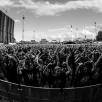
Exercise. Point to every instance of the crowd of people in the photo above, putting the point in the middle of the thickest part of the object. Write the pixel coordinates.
(53, 66)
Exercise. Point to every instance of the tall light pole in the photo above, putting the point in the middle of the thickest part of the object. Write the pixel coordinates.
(95, 24)
(23, 18)
(72, 32)
(77, 32)
(85, 31)
(33, 34)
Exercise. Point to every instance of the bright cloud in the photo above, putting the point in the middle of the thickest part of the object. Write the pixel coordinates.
(60, 35)
(47, 8)
(17, 21)
(6, 3)
(57, 29)
(66, 34)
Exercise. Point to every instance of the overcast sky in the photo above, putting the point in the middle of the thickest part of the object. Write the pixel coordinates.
(51, 19)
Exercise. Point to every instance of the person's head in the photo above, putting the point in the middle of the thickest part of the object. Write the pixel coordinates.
(40, 61)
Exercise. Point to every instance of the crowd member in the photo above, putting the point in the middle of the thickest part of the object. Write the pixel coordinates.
(51, 66)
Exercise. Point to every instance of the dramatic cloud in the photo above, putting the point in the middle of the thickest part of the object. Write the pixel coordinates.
(48, 8)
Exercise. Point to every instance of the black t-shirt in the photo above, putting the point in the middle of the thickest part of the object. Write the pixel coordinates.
(30, 76)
